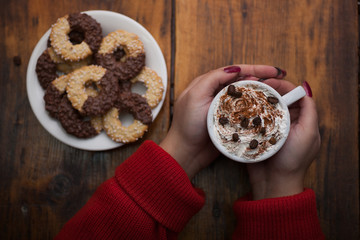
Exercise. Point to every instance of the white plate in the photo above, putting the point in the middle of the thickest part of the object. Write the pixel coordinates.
(110, 21)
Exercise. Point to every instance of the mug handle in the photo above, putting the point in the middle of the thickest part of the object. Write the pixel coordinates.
(294, 95)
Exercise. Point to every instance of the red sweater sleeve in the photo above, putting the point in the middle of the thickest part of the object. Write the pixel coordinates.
(150, 197)
(293, 217)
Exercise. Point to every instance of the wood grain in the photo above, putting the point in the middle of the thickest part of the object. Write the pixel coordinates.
(44, 182)
(314, 41)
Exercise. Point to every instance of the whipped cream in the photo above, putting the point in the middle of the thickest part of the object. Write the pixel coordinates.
(249, 122)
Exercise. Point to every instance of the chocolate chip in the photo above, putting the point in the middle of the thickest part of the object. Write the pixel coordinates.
(244, 122)
(272, 141)
(235, 137)
(253, 144)
(262, 130)
(273, 100)
(17, 60)
(232, 92)
(223, 120)
(257, 121)
(231, 89)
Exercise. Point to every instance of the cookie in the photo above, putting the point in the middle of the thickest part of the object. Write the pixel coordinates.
(137, 106)
(123, 53)
(53, 95)
(99, 77)
(45, 69)
(87, 39)
(76, 124)
(154, 86)
(67, 66)
(59, 107)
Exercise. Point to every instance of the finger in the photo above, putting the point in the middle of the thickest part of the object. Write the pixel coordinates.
(248, 72)
(308, 117)
(209, 83)
(212, 82)
(262, 71)
(282, 87)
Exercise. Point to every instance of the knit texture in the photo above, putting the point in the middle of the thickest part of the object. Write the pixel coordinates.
(150, 197)
(293, 217)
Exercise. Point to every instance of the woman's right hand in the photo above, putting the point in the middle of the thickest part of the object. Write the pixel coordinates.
(283, 174)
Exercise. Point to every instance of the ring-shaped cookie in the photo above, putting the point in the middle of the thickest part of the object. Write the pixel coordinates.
(135, 105)
(126, 65)
(80, 22)
(67, 66)
(45, 69)
(59, 107)
(106, 83)
(53, 95)
(76, 124)
(49, 64)
(154, 86)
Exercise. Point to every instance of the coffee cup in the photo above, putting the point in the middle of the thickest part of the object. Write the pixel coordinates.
(249, 121)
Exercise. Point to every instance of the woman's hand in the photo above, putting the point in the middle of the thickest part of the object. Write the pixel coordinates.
(283, 174)
(188, 140)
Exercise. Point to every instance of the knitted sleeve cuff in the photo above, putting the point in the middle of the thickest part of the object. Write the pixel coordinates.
(157, 183)
(292, 217)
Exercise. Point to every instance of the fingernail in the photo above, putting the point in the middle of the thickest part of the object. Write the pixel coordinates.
(280, 71)
(232, 69)
(307, 88)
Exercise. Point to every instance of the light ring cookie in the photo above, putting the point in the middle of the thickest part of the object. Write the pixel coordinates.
(154, 86)
(135, 105)
(87, 104)
(82, 23)
(123, 53)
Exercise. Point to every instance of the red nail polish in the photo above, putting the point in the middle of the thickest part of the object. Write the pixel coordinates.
(232, 69)
(280, 72)
(307, 88)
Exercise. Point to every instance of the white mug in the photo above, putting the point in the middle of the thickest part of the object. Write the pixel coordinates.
(284, 102)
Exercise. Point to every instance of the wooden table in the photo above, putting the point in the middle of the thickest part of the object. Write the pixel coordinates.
(43, 182)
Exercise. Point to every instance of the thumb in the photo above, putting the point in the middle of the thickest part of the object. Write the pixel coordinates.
(210, 83)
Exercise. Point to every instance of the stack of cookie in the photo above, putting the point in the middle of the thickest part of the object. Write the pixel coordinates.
(87, 79)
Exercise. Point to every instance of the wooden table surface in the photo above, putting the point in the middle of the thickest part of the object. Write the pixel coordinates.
(44, 182)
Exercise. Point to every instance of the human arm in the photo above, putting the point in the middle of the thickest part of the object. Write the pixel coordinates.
(150, 197)
(279, 206)
(283, 174)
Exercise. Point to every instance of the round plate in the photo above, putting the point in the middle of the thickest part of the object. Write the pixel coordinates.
(110, 21)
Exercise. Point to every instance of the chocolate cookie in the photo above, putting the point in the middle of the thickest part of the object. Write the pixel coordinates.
(123, 53)
(49, 64)
(135, 105)
(76, 36)
(106, 84)
(53, 95)
(154, 86)
(75, 124)
(45, 69)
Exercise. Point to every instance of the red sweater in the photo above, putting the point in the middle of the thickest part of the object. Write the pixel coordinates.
(151, 197)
